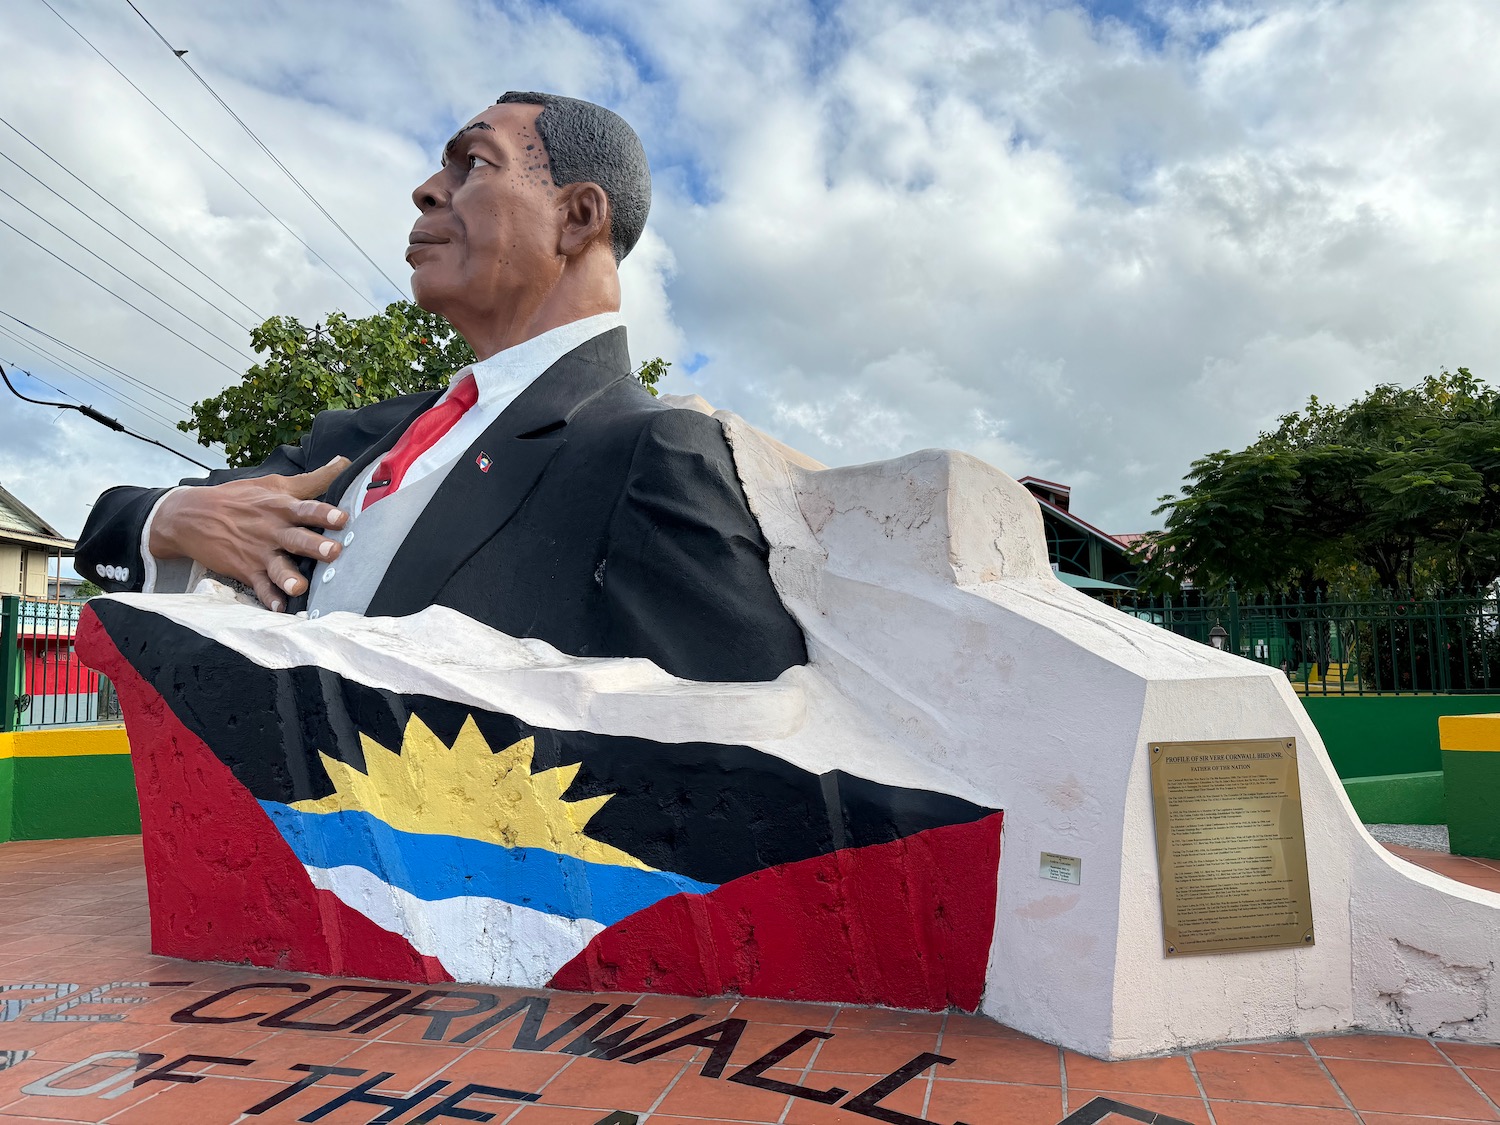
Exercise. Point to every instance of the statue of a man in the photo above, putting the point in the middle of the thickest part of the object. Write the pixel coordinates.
(545, 492)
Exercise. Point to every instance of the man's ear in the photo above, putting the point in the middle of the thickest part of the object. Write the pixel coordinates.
(585, 218)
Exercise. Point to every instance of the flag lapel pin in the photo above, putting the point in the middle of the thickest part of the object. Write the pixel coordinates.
(484, 462)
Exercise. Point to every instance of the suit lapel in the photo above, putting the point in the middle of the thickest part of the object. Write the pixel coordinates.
(474, 502)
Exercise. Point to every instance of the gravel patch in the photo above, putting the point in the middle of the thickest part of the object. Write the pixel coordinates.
(1428, 837)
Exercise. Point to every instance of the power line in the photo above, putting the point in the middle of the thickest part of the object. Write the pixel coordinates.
(73, 369)
(130, 219)
(172, 121)
(134, 250)
(31, 375)
(127, 277)
(180, 56)
(119, 298)
(93, 415)
(78, 372)
(147, 387)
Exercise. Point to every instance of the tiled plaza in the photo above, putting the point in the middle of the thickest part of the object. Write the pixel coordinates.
(94, 1028)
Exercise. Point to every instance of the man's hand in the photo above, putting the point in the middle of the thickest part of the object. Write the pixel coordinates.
(250, 529)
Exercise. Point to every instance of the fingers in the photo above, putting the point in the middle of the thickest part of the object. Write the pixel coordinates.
(315, 513)
(312, 485)
(284, 575)
(267, 594)
(308, 544)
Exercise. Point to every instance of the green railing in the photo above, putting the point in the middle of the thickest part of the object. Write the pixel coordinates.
(1385, 645)
(42, 682)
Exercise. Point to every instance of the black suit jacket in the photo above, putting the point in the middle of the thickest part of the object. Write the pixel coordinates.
(606, 524)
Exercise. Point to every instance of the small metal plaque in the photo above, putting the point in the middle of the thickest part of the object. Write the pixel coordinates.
(1062, 868)
(1229, 845)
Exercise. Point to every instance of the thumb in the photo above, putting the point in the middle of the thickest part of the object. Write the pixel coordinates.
(309, 486)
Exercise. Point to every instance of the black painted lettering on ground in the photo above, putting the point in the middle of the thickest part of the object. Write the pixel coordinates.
(754, 1073)
(867, 1101)
(1100, 1108)
(314, 1075)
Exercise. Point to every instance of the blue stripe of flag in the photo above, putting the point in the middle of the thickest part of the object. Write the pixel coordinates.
(432, 867)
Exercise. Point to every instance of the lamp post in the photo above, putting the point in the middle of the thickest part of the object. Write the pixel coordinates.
(1218, 636)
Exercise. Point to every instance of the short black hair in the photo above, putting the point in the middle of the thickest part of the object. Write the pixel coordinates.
(587, 143)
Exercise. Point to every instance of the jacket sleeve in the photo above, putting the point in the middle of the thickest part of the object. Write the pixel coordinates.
(109, 551)
(686, 572)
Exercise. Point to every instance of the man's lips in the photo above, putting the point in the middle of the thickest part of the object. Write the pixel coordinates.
(420, 240)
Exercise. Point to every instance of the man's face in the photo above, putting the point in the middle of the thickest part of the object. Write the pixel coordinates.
(487, 239)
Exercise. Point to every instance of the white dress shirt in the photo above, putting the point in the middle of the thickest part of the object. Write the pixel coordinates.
(500, 379)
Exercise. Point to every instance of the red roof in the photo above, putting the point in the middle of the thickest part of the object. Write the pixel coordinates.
(1048, 483)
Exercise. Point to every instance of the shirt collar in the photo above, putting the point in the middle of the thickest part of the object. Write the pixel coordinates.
(510, 371)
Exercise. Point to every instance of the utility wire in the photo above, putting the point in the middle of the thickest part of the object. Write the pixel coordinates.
(134, 250)
(114, 392)
(172, 121)
(73, 369)
(94, 415)
(130, 219)
(260, 144)
(196, 323)
(77, 372)
(50, 386)
(147, 387)
(119, 298)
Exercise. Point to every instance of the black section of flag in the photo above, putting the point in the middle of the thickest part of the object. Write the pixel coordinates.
(709, 811)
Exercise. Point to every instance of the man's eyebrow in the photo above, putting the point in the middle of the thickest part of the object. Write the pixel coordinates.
(453, 140)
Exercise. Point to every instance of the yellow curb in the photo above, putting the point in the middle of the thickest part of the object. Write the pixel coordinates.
(1469, 732)
(64, 742)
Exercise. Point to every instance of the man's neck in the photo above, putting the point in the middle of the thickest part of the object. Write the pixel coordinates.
(584, 294)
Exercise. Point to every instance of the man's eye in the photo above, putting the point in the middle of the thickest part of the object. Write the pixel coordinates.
(478, 162)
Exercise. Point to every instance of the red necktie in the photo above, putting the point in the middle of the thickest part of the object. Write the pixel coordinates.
(420, 436)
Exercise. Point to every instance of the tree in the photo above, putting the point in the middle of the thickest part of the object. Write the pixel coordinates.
(1400, 489)
(341, 363)
(651, 372)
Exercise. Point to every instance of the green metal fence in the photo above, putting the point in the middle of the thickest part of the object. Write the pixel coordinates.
(42, 682)
(1385, 645)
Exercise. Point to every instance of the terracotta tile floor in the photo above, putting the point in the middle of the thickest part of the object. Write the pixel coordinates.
(1476, 872)
(94, 1028)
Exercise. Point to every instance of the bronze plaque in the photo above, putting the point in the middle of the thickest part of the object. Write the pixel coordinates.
(1229, 845)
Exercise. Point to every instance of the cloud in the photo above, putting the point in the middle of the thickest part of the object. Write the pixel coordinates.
(1086, 241)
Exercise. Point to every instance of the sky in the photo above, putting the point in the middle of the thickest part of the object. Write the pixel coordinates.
(1085, 241)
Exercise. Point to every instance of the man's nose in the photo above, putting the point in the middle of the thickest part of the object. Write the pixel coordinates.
(430, 194)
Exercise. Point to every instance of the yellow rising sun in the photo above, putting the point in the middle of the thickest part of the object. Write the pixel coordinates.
(468, 790)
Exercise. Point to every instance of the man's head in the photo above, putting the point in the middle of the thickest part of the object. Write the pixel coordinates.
(538, 199)
(587, 143)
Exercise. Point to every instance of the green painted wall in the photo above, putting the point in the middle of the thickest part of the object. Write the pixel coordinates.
(7, 772)
(1398, 798)
(86, 795)
(1473, 781)
(1377, 735)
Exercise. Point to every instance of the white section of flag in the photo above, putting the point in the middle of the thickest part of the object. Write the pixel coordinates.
(477, 940)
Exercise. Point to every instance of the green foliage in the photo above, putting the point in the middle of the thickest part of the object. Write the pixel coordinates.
(651, 372)
(337, 365)
(87, 589)
(1399, 489)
